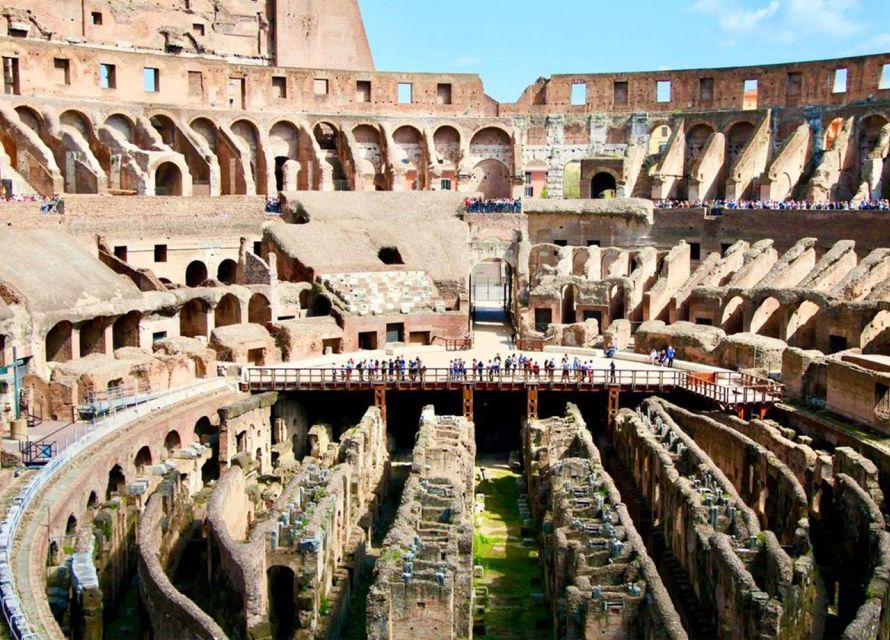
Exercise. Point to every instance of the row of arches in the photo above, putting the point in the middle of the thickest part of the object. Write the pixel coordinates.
(67, 341)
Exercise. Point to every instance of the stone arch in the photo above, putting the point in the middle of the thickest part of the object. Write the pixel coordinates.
(832, 130)
(571, 180)
(766, 319)
(92, 336)
(284, 146)
(121, 123)
(659, 137)
(259, 311)
(446, 141)
(801, 329)
(143, 459)
(321, 306)
(870, 130)
(567, 304)
(875, 337)
(696, 139)
(117, 482)
(492, 179)
(71, 526)
(738, 135)
(77, 120)
(227, 311)
(58, 343)
(369, 158)
(492, 143)
(125, 330)
(168, 179)
(193, 318)
(226, 271)
(327, 135)
(92, 500)
(30, 117)
(732, 318)
(172, 442)
(165, 127)
(409, 156)
(195, 273)
(603, 185)
(207, 130)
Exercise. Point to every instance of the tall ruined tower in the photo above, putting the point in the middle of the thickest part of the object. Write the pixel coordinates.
(326, 34)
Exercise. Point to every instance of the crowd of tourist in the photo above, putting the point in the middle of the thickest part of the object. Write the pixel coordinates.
(498, 205)
(662, 357)
(47, 205)
(777, 205)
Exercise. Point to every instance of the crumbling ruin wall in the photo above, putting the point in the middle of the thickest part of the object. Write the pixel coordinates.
(423, 580)
(742, 578)
(244, 432)
(599, 578)
(172, 614)
(762, 480)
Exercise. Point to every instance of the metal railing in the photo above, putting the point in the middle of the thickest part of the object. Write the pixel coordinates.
(15, 615)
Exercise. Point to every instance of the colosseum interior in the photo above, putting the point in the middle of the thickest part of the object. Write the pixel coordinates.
(328, 352)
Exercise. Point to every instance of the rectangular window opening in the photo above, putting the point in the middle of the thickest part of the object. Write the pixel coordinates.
(257, 247)
(443, 94)
(620, 92)
(749, 94)
(363, 91)
(62, 68)
(196, 83)
(160, 253)
(279, 87)
(840, 81)
(151, 79)
(96, 18)
(107, 76)
(320, 86)
(120, 252)
(446, 184)
(884, 82)
(198, 29)
(11, 76)
(593, 243)
(706, 89)
(406, 93)
(694, 251)
(663, 91)
(579, 93)
(158, 336)
(794, 84)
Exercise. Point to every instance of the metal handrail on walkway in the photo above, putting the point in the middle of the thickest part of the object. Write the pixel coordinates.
(10, 600)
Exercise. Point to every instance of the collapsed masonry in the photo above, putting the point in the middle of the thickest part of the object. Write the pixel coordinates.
(598, 576)
(295, 569)
(423, 586)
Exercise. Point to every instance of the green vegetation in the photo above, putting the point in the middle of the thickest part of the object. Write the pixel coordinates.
(511, 571)
(325, 607)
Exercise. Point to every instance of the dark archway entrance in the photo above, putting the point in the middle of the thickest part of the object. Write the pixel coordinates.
(603, 185)
(282, 603)
(195, 273)
(168, 180)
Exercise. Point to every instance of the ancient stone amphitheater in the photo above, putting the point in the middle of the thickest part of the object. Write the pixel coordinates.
(293, 348)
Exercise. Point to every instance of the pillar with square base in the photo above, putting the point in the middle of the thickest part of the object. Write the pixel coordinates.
(468, 402)
(532, 403)
(614, 405)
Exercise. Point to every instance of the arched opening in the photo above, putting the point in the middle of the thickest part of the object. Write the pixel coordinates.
(30, 118)
(172, 443)
(603, 185)
(446, 141)
(77, 120)
(92, 500)
(326, 135)
(226, 271)
(227, 312)
(737, 138)
(258, 457)
(280, 162)
(321, 306)
(801, 331)
(58, 342)
(208, 435)
(195, 273)
(117, 482)
(766, 319)
(732, 318)
(368, 158)
(571, 180)
(659, 138)
(409, 156)
(122, 125)
(259, 311)
(492, 179)
(246, 132)
(870, 130)
(282, 602)
(142, 459)
(125, 331)
(390, 255)
(568, 305)
(284, 146)
(71, 526)
(92, 337)
(832, 131)
(168, 180)
(696, 139)
(193, 319)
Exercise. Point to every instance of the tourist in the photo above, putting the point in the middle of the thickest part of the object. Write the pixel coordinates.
(653, 357)
(612, 370)
(670, 355)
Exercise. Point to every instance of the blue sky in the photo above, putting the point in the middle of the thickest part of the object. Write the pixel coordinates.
(511, 43)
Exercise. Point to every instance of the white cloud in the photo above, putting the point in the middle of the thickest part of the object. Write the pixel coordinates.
(733, 16)
(878, 43)
(823, 17)
(467, 61)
